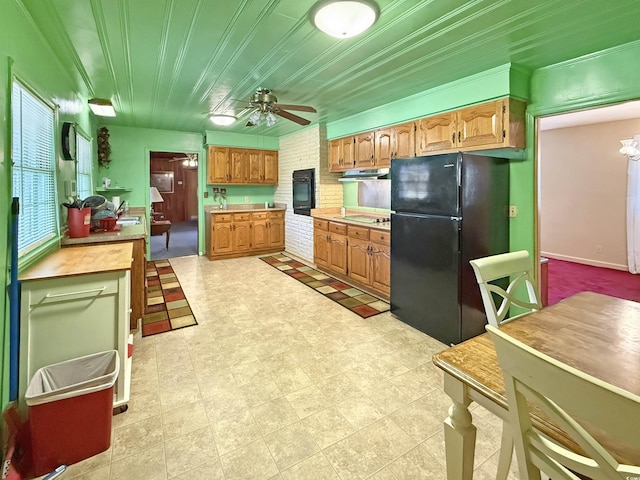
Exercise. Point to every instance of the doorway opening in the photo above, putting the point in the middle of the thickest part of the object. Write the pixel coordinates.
(174, 204)
(582, 201)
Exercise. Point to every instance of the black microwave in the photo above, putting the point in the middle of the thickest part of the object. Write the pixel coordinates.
(304, 188)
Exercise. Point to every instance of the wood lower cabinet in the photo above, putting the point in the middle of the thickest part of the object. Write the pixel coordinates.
(360, 254)
(241, 166)
(231, 235)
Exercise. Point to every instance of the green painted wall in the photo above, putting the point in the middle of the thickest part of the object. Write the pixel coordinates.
(240, 194)
(129, 167)
(23, 54)
(602, 78)
(506, 80)
(229, 139)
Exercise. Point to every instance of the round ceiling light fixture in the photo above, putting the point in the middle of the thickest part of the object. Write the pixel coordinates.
(220, 119)
(344, 18)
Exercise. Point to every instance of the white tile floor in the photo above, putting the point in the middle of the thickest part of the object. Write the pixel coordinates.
(279, 382)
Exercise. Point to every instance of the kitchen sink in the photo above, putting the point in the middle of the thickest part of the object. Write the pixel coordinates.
(129, 221)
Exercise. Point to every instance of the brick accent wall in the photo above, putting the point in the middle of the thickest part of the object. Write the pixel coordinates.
(307, 149)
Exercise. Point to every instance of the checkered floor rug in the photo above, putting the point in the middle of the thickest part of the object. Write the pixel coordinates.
(349, 297)
(167, 308)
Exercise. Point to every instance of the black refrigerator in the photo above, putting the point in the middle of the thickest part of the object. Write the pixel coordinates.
(449, 209)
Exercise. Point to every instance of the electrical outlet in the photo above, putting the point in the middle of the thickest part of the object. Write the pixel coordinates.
(513, 211)
(246, 199)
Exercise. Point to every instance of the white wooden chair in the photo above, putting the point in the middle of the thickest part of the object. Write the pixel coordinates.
(516, 268)
(565, 394)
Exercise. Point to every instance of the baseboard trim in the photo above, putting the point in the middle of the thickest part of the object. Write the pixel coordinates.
(585, 261)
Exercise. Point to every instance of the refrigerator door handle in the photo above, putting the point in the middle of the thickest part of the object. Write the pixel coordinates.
(457, 219)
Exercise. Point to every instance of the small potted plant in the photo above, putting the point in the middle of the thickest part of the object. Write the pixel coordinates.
(104, 150)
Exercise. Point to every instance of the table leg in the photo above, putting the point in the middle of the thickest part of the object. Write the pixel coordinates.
(459, 432)
(168, 233)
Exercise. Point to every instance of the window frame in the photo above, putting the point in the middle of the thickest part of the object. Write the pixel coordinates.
(30, 250)
(82, 136)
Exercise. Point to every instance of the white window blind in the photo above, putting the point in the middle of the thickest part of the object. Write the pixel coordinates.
(83, 178)
(34, 176)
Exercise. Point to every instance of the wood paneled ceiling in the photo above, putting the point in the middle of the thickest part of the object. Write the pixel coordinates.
(165, 63)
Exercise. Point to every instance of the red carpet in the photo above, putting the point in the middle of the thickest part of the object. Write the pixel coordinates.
(568, 278)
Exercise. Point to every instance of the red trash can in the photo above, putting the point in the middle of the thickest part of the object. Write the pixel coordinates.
(70, 410)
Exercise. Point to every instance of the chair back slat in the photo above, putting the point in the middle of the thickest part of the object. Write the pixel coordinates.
(513, 266)
(581, 405)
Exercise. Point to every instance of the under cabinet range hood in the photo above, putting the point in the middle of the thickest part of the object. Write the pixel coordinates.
(355, 175)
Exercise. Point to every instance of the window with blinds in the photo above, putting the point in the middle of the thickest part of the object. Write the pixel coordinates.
(83, 168)
(34, 173)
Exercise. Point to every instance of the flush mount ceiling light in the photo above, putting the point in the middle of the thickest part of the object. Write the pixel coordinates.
(344, 18)
(102, 107)
(222, 119)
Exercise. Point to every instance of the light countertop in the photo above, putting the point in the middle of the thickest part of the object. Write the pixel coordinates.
(334, 215)
(243, 208)
(80, 260)
(124, 234)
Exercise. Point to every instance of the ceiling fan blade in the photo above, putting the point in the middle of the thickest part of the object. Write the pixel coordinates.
(299, 108)
(244, 111)
(250, 124)
(292, 117)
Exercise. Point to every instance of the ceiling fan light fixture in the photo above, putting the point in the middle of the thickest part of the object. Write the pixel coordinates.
(344, 18)
(222, 119)
(255, 117)
(271, 119)
(102, 107)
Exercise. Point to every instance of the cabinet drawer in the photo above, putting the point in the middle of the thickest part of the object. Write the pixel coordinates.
(222, 217)
(379, 236)
(46, 292)
(359, 232)
(259, 216)
(279, 214)
(241, 217)
(340, 228)
(320, 224)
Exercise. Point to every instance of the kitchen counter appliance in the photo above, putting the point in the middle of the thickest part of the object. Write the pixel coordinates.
(449, 209)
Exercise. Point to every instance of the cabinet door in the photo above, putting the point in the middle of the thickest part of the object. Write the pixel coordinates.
(222, 238)
(276, 229)
(405, 140)
(359, 261)
(270, 167)
(381, 267)
(237, 159)
(480, 125)
(335, 155)
(241, 236)
(348, 153)
(321, 247)
(338, 253)
(436, 134)
(255, 166)
(218, 165)
(383, 148)
(365, 150)
(259, 234)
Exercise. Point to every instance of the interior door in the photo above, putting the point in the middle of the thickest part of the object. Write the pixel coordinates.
(191, 193)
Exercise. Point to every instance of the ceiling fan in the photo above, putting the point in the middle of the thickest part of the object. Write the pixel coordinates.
(263, 108)
(188, 159)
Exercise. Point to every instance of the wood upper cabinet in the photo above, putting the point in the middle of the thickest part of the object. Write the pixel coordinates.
(436, 134)
(242, 165)
(218, 166)
(405, 140)
(495, 124)
(397, 141)
(365, 150)
(269, 167)
(342, 154)
(384, 147)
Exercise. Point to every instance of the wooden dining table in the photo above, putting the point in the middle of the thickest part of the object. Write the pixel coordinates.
(595, 333)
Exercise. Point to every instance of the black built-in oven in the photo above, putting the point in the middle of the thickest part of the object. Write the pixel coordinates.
(304, 191)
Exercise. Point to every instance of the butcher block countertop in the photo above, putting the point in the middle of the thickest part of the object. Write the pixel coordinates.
(80, 260)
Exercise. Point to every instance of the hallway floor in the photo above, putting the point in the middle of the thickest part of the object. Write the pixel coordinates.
(278, 382)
